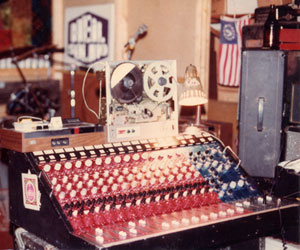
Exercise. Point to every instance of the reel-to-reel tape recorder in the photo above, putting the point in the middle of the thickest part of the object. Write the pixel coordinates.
(142, 101)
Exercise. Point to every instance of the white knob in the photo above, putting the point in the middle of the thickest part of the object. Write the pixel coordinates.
(57, 166)
(78, 164)
(136, 157)
(98, 161)
(117, 159)
(107, 160)
(94, 190)
(122, 235)
(98, 231)
(47, 168)
(126, 158)
(88, 163)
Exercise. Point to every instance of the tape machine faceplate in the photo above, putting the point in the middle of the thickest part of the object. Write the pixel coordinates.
(142, 101)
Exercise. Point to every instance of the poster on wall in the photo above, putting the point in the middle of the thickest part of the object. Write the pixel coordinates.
(89, 34)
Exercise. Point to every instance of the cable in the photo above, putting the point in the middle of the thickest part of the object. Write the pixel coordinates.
(282, 231)
(29, 117)
(100, 96)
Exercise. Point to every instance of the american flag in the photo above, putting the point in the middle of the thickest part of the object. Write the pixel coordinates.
(230, 50)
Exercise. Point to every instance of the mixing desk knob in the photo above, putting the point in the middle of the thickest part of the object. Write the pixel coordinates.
(162, 179)
(260, 200)
(134, 184)
(195, 219)
(175, 170)
(230, 211)
(196, 174)
(136, 157)
(72, 193)
(98, 231)
(94, 190)
(78, 164)
(110, 180)
(88, 163)
(79, 185)
(90, 183)
(117, 159)
(106, 173)
(232, 185)
(58, 188)
(152, 181)
(144, 169)
(204, 217)
(124, 185)
(166, 172)
(188, 176)
(54, 181)
(131, 224)
(157, 173)
(104, 189)
(126, 158)
(65, 179)
(185, 221)
(107, 160)
(100, 182)
(246, 203)
(133, 231)
(170, 178)
(99, 239)
(175, 223)
(145, 156)
(139, 176)
(148, 175)
(152, 167)
(240, 183)
(47, 168)
(130, 177)
(269, 199)
(179, 177)
(96, 175)
(142, 222)
(165, 225)
(240, 210)
(98, 161)
(122, 235)
(69, 186)
(86, 176)
(114, 187)
(68, 165)
(75, 178)
(125, 171)
(144, 183)
(62, 195)
(222, 214)
(215, 163)
(83, 192)
(120, 178)
(213, 215)
(57, 166)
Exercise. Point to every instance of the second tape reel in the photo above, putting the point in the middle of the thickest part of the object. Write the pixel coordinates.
(141, 99)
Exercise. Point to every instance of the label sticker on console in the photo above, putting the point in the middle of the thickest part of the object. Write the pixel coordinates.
(31, 193)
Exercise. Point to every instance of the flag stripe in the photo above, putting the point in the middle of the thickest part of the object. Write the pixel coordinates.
(229, 65)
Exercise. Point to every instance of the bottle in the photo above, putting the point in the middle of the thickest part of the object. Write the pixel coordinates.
(272, 29)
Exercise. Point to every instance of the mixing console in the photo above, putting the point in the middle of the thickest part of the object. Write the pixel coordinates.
(113, 194)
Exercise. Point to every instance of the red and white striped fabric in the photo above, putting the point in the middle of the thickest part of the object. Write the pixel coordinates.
(229, 59)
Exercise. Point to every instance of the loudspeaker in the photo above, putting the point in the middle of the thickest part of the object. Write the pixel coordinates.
(260, 111)
(292, 143)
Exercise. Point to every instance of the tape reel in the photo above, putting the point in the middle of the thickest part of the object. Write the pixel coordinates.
(126, 83)
(159, 83)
